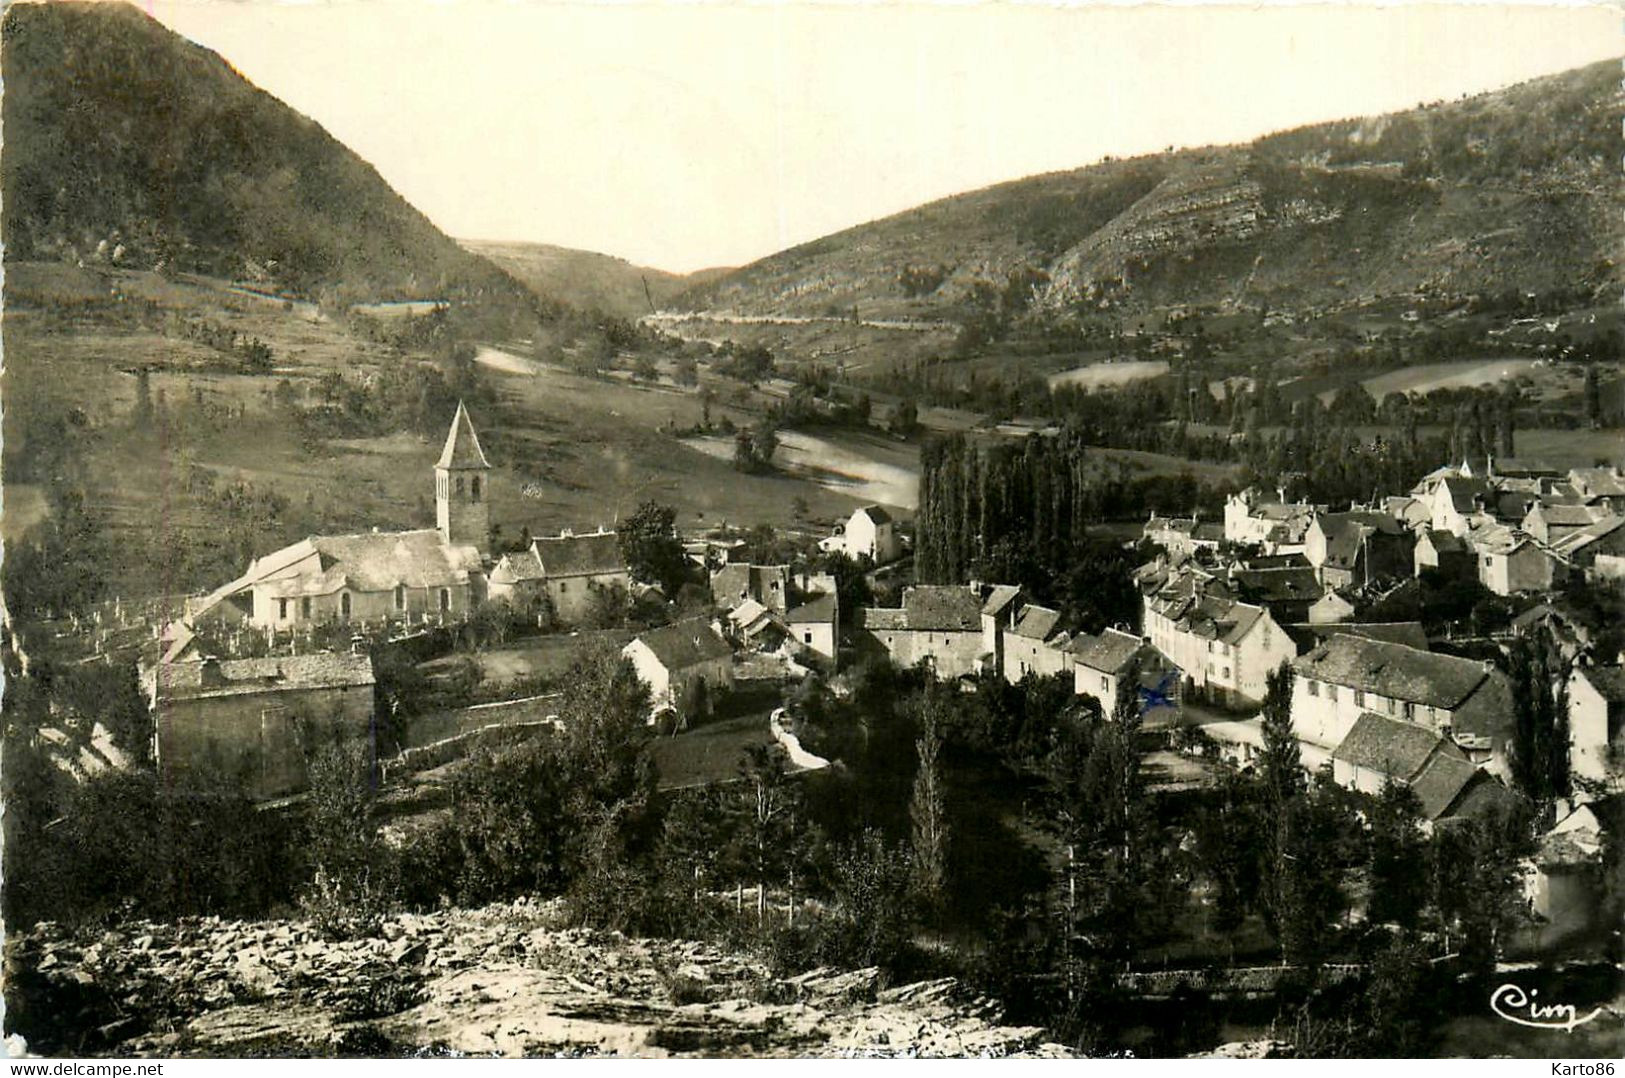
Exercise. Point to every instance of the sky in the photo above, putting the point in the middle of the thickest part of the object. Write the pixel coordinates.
(686, 135)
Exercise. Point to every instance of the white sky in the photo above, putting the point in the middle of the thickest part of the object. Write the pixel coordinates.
(686, 135)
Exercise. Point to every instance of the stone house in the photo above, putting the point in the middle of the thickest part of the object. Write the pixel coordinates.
(568, 571)
(1000, 609)
(767, 584)
(1377, 750)
(1099, 664)
(1547, 523)
(868, 532)
(941, 623)
(815, 625)
(1358, 548)
(1467, 701)
(1596, 721)
(1034, 644)
(674, 660)
(1220, 644)
(1509, 561)
(253, 720)
(1277, 525)
(1445, 551)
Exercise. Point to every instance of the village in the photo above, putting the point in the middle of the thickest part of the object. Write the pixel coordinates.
(235, 682)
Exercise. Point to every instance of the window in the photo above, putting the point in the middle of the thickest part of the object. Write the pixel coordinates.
(475, 488)
(806, 637)
(1314, 688)
(1227, 673)
(564, 586)
(1410, 710)
(344, 605)
(304, 607)
(282, 609)
(1105, 682)
(400, 596)
(1359, 698)
(445, 600)
(1331, 693)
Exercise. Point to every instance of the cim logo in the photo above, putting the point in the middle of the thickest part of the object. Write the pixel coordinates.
(1512, 1003)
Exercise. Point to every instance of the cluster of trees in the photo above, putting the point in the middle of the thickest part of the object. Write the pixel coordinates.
(417, 397)
(1022, 515)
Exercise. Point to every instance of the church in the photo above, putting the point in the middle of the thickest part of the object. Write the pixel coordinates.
(417, 575)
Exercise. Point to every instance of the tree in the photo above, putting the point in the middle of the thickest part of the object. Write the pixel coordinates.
(1540, 719)
(1281, 764)
(905, 419)
(1399, 870)
(649, 543)
(928, 808)
(1593, 396)
(352, 880)
(769, 801)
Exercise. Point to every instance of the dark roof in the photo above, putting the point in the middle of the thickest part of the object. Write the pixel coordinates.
(1000, 597)
(821, 610)
(685, 643)
(1409, 633)
(462, 444)
(1522, 466)
(1444, 542)
(1609, 681)
(1464, 492)
(289, 673)
(942, 607)
(1277, 585)
(1487, 711)
(1598, 482)
(1441, 781)
(580, 555)
(1346, 531)
(890, 618)
(1109, 652)
(1393, 670)
(1036, 622)
(1390, 746)
(876, 514)
(1567, 516)
(753, 580)
(1294, 560)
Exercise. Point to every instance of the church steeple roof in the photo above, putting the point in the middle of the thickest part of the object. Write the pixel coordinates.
(462, 444)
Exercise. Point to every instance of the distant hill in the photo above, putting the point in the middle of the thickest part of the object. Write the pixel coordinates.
(586, 280)
(1518, 189)
(126, 142)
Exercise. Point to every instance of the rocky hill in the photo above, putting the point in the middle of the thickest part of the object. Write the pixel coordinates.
(502, 980)
(1516, 189)
(586, 280)
(128, 144)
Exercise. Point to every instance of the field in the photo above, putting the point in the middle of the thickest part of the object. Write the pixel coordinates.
(1109, 375)
(543, 656)
(709, 753)
(1462, 374)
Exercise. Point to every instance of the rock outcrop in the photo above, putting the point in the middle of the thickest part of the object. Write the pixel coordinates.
(504, 980)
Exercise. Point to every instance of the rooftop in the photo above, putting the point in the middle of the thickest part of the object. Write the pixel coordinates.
(942, 608)
(202, 678)
(1395, 748)
(1393, 670)
(462, 444)
(1109, 652)
(685, 643)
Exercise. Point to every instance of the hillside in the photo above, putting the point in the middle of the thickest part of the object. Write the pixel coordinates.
(585, 279)
(126, 144)
(1516, 189)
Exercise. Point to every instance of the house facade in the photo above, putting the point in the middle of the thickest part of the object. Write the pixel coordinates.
(675, 659)
(1033, 645)
(1596, 722)
(252, 720)
(1509, 561)
(767, 584)
(1220, 644)
(1348, 676)
(568, 571)
(941, 623)
(869, 532)
(1100, 663)
(815, 625)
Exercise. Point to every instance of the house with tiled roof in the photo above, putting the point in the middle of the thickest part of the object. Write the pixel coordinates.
(1219, 643)
(1358, 548)
(1596, 696)
(1445, 552)
(1035, 644)
(1510, 561)
(1595, 485)
(1464, 700)
(941, 623)
(1274, 524)
(1182, 535)
(1001, 605)
(1548, 523)
(1598, 549)
(1378, 750)
(1457, 501)
(1287, 592)
(421, 574)
(674, 660)
(870, 532)
(568, 571)
(815, 624)
(251, 721)
(767, 584)
(1100, 663)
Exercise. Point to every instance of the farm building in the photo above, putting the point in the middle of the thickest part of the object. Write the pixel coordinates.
(568, 571)
(677, 660)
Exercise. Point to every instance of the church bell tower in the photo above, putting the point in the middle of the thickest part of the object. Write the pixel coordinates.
(461, 487)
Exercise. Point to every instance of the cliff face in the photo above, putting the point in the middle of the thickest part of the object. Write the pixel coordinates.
(1515, 189)
(502, 980)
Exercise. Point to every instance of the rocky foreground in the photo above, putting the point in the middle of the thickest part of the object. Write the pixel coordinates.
(499, 981)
